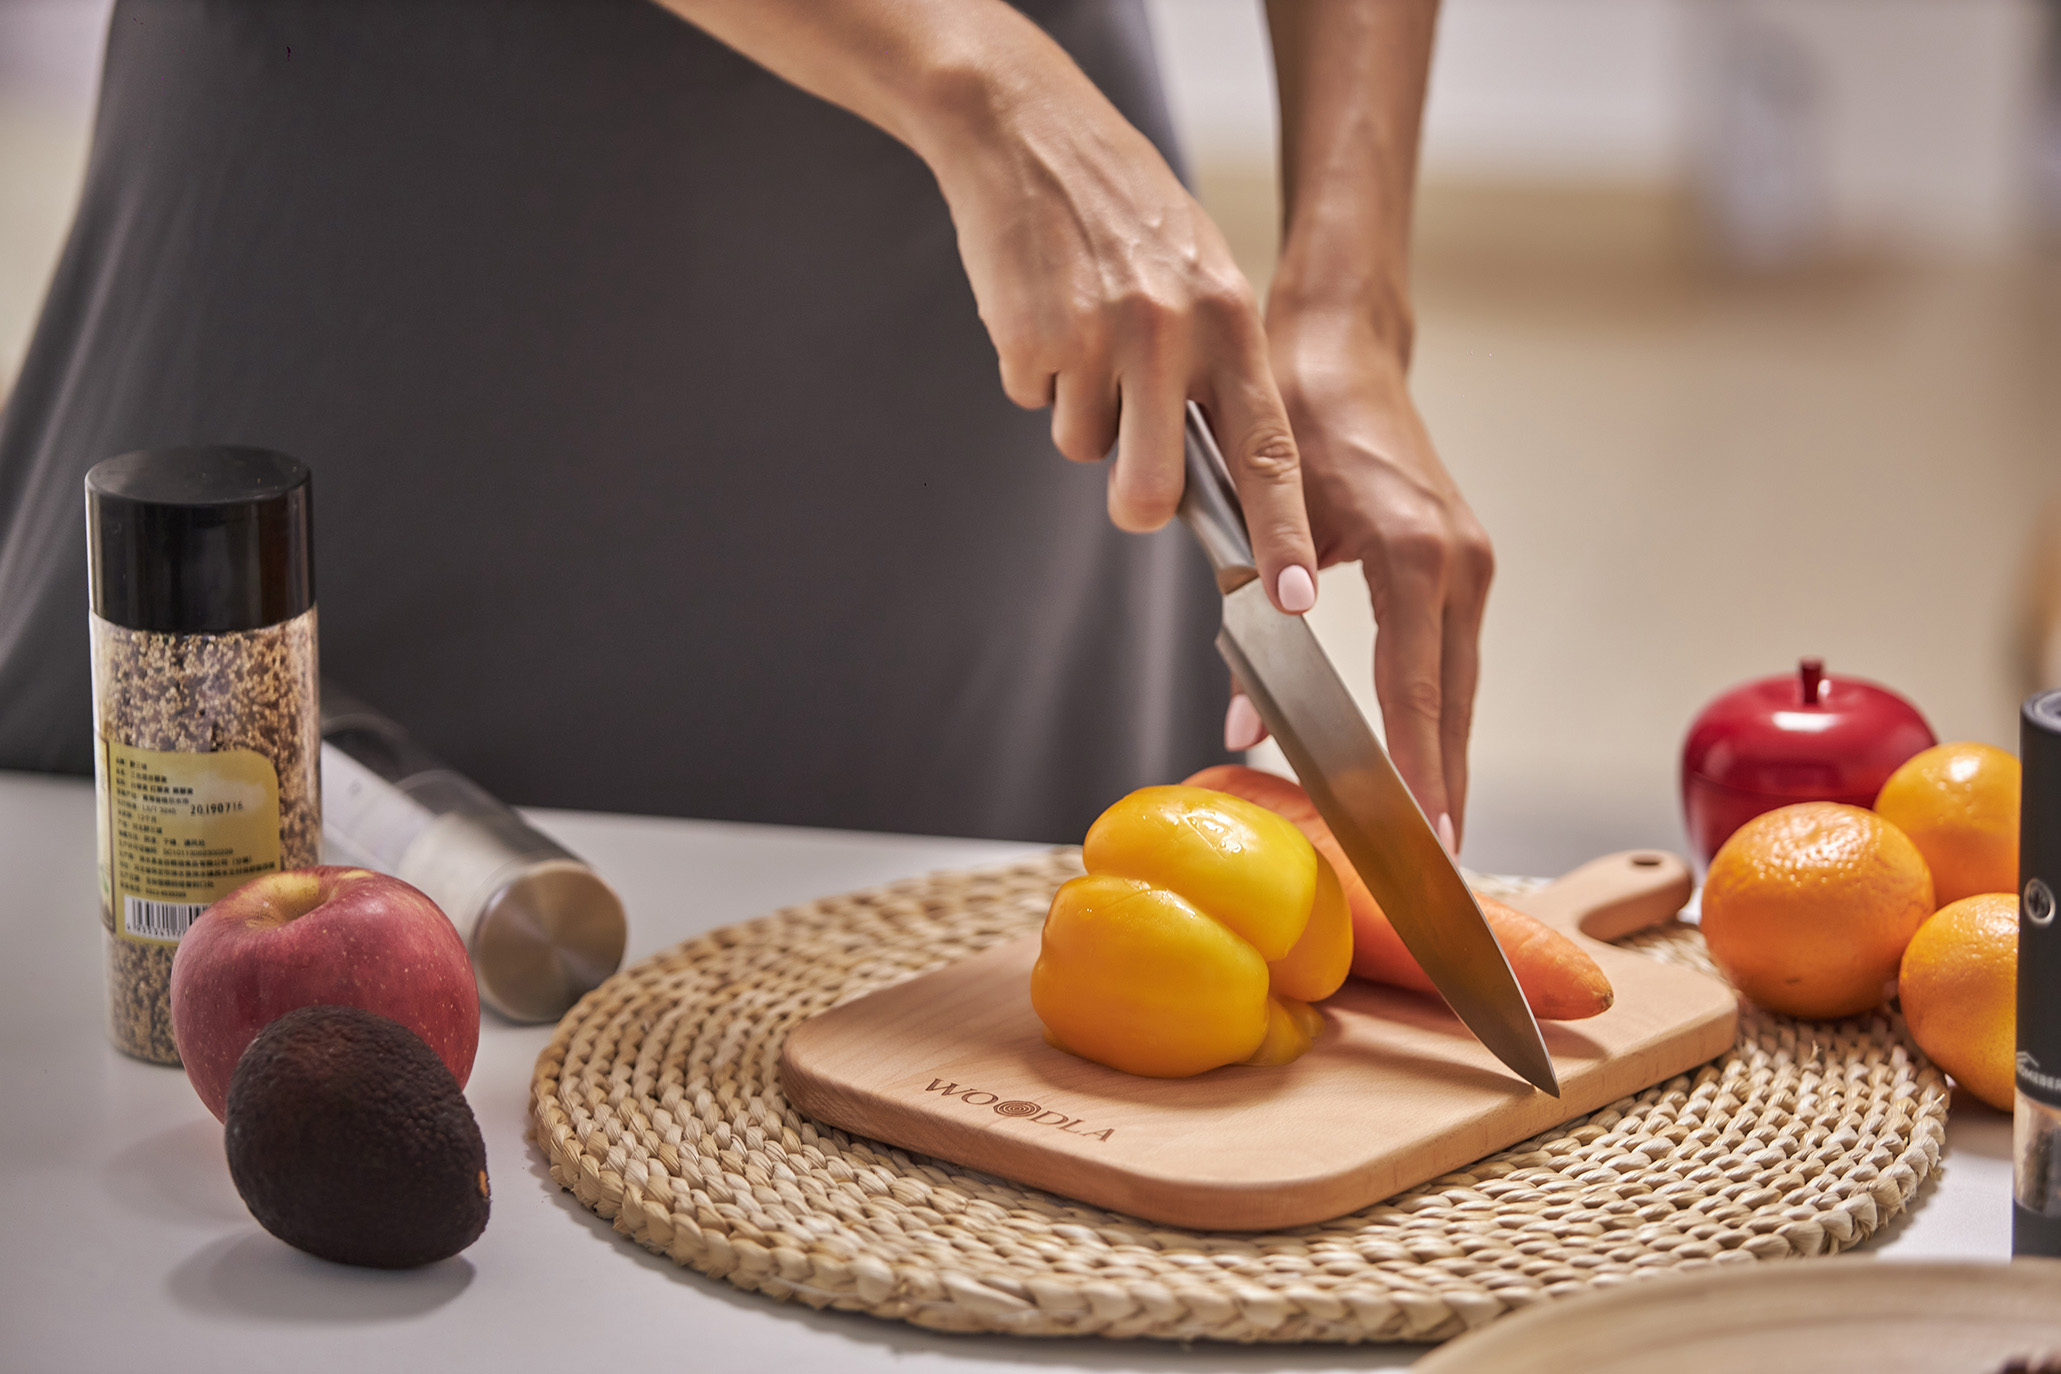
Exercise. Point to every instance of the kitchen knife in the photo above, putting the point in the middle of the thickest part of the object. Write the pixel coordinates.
(1350, 778)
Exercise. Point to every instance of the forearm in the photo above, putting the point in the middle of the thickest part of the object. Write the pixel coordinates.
(940, 75)
(1352, 76)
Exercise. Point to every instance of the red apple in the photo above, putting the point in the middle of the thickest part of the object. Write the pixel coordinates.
(324, 936)
(1802, 736)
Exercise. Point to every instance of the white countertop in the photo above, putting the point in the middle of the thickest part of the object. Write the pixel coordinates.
(123, 1245)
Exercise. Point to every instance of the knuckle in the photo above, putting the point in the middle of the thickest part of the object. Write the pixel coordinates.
(1420, 547)
(1024, 394)
(1270, 454)
(1023, 380)
(1454, 726)
(1137, 519)
(1478, 557)
(1420, 697)
(1077, 446)
(1084, 433)
(1152, 311)
(1091, 334)
(1162, 495)
(1140, 503)
(1014, 344)
(1015, 338)
(1229, 299)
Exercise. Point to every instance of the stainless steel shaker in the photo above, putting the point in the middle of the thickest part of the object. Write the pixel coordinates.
(542, 926)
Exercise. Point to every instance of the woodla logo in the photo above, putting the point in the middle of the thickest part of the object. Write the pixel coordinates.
(1030, 1113)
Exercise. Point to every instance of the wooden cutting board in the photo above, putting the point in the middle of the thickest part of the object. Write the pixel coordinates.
(1395, 1091)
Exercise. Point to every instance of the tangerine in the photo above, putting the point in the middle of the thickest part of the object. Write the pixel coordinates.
(1959, 988)
(1959, 805)
(1808, 908)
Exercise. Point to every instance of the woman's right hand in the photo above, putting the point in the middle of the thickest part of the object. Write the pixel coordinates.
(1107, 291)
(1112, 298)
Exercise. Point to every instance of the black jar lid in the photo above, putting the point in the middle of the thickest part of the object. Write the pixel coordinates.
(2043, 711)
(200, 540)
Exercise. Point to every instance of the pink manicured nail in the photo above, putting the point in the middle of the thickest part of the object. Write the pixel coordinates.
(1242, 725)
(1445, 835)
(1295, 589)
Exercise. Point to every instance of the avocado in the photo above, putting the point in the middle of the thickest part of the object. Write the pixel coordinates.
(349, 1139)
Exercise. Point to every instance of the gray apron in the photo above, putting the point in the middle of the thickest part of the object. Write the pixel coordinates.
(660, 459)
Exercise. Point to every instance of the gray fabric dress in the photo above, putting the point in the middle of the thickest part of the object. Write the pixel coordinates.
(660, 460)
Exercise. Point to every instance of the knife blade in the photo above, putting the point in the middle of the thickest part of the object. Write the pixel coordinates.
(1352, 781)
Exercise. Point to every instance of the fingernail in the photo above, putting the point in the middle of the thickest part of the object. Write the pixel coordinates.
(1445, 835)
(1295, 589)
(1242, 725)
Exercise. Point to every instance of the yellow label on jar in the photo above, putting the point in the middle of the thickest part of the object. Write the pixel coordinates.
(180, 830)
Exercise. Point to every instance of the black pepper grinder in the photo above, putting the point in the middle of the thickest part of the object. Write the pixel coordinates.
(2036, 1175)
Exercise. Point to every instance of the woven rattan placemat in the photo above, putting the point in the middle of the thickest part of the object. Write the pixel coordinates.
(658, 1103)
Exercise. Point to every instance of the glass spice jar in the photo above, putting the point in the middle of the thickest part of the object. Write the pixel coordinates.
(207, 732)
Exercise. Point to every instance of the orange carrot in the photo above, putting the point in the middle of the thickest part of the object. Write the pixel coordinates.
(1560, 980)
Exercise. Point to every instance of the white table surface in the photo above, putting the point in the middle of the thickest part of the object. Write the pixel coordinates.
(123, 1245)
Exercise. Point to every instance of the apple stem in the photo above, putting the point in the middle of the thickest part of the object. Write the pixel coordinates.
(1812, 671)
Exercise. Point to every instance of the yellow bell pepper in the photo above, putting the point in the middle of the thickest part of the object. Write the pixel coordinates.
(1202, 931)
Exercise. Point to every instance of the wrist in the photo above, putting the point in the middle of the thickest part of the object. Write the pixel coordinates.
(965, 102)
(1350, 308)
(952, 105)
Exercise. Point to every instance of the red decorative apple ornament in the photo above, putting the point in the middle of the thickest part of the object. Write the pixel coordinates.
(1794, 738)
(328, 936)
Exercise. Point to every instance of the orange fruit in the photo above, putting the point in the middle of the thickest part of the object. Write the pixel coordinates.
(1808, 908)
(1959, 987)
(1959, 805)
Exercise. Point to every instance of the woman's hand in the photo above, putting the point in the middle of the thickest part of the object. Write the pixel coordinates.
(1108, 293)
(1351, 74)
(1112, 298)
(1379, 496)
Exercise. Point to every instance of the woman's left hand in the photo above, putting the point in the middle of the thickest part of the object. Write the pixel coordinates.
(1379, 495)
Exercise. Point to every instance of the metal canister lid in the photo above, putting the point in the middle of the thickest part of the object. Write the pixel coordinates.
(545, 938)
(200, 540)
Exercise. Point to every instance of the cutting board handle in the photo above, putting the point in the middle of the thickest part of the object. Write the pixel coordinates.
(1610, 897)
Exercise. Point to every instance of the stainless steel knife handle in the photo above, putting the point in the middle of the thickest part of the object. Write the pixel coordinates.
(1210, 509)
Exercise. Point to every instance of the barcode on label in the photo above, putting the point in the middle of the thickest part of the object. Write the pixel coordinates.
(158, 920)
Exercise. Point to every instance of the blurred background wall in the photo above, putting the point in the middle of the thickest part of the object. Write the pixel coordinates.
(1737, 321)
(49, 58)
